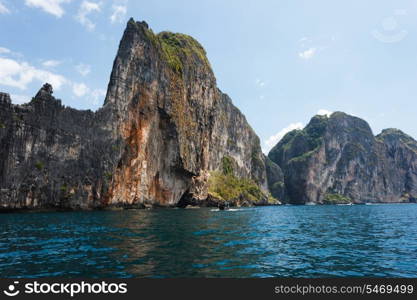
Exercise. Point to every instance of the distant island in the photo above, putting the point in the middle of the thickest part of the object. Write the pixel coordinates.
(166, 136)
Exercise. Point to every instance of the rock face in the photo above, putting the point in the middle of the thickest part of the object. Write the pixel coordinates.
(164, 137)
(337, 159)
(51, 155)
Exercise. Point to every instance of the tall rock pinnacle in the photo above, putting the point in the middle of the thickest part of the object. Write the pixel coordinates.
(165, 136)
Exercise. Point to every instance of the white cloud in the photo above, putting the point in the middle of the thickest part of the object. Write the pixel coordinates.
(80, 89)
(51, 63)
(304, 41)
(20, 99)
(9, 53)
(4, 50)
(324, 112)
(96, 95)
(307, 54)
(4, 9)
(19, 74)
(86, 8)
(273, 140)
(260, 83)
(83, 69)
(119, 12)
(52, 7)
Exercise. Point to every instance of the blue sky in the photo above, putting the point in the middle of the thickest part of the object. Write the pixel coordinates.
(280, 61)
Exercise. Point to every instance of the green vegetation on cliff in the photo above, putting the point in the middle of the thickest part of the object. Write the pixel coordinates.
(39, 165)
(225, 186)
(227, 165)
(299, 145)
(396, 134)
(353, 150)
(336, 199)
(317, 127)
(338, 156)
(229, 187)
(183, 55)
(178, 49)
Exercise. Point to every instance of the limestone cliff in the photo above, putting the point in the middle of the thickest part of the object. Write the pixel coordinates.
(165, 136)
(337, 159)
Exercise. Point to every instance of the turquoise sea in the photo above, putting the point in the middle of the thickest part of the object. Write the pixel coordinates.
(281, 241)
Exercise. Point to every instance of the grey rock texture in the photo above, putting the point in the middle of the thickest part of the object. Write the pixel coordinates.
(337, 159)
(51, 156)
(163, 129)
